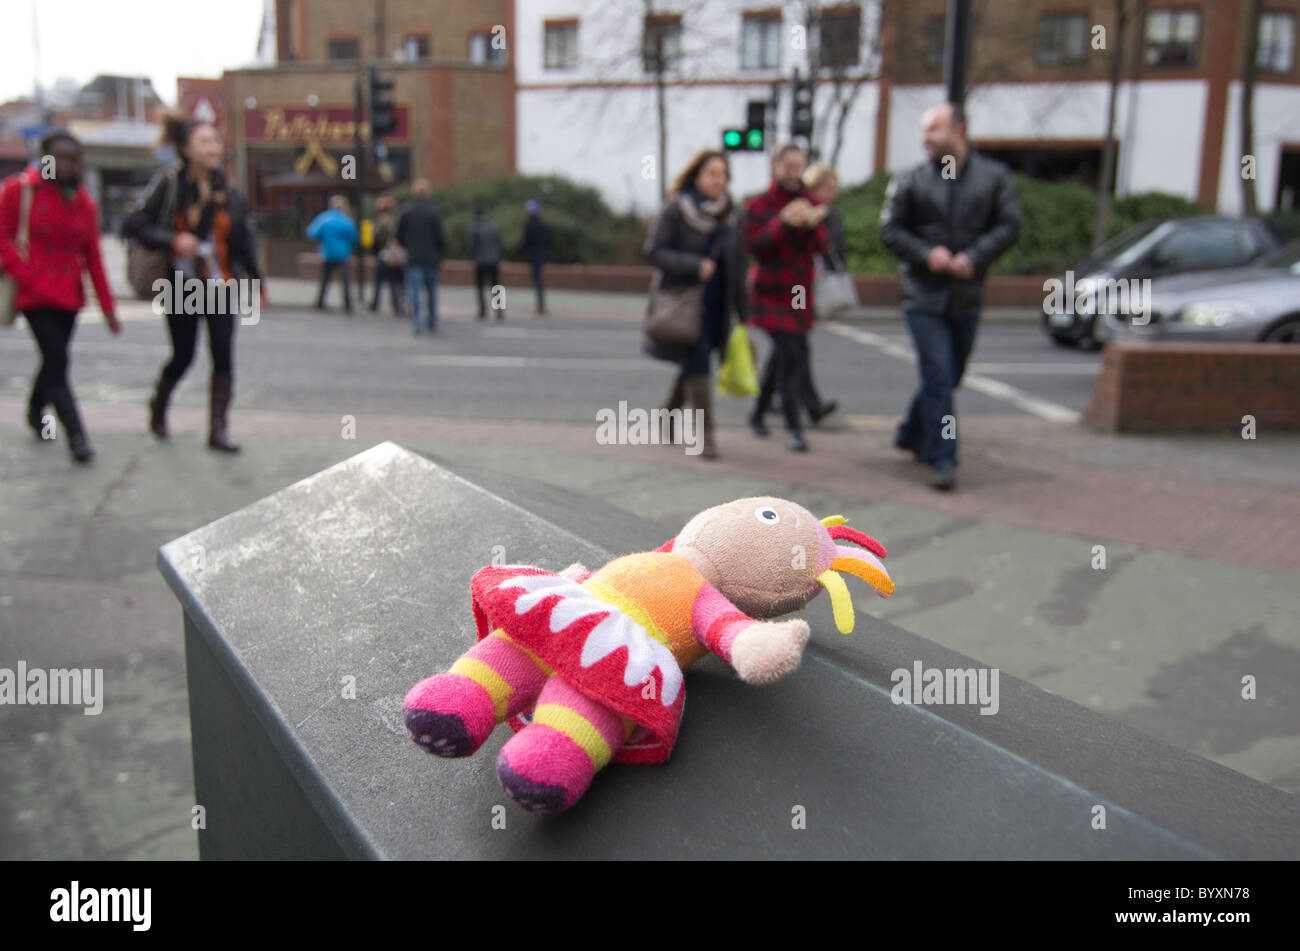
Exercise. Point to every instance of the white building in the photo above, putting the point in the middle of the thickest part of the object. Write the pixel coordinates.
(586, 99)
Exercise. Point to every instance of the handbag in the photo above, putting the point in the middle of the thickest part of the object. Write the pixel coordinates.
(673, 317)
(145, 265)
(833, 291)
(738, 375)
(8, 283)
(392, 255)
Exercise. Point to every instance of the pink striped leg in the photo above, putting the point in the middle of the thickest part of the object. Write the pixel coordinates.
(452, 714)
(548, 765)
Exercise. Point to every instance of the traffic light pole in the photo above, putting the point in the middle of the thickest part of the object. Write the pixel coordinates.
(358, 193)
(956, 54)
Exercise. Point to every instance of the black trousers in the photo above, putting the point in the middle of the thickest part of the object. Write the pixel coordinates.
(53, 331)
(489, 276)
(327, 269)
(394, 277)
(809, 395)
(788, 371)
(184, 330)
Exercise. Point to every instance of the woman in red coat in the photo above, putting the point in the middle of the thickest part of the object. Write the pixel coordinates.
(62, 243)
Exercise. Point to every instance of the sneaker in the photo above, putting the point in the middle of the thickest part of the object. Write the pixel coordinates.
(757, 425)
(944, 477)
(795, 442)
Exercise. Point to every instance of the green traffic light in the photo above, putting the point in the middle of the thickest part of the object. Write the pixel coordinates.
(755, 139)
(731, 139)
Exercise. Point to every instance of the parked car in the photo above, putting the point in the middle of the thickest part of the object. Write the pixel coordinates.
(1260, 302)
(1154, 249)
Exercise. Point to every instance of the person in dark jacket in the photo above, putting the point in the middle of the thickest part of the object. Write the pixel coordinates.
(390, 259)
(419, 232)
(784, 232)
(199, 217)
(697, 240)
(948, 219)
(47, 263)
(535, 248)
(484, 243)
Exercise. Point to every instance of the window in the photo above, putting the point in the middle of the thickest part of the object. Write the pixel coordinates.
(936, 29)
(1172, 37)
(840, 37)
(345, 49)
(1201, 245)
(1276, 42)
(561, 51)
(1062, 39)
(760, 41)
(481, 49)
(662, 42)
(416, 46)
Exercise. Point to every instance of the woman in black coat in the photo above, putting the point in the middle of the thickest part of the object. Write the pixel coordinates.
(697, 240)
(192, 212)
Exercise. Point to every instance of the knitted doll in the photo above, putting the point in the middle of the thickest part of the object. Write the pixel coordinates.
(587, 666)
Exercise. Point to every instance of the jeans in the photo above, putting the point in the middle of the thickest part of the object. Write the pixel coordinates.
(327, 269)
(787, 370)
(53, 331)
(943, 345)
(426, 276)
(537, 263)
(184, 330)
(395, 279)
(488, 275)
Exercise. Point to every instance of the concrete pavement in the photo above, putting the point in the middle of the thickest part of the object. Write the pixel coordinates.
(1200, 538)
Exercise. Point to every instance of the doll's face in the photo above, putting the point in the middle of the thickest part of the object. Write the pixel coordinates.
(764, 554)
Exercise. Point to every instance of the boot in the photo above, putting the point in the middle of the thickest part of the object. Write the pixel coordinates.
(65, 405)
(676, 396)
(158, 405)
(699, 394)
(223, 388)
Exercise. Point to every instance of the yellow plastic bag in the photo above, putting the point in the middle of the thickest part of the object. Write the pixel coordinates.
(738, 375)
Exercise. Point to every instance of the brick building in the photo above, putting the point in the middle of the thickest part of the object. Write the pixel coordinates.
(288, 124)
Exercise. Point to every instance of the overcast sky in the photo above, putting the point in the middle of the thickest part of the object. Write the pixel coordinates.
(161, 39)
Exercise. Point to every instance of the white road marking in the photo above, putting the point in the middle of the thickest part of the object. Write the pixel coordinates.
(1046, 369)
(532, 363)
(1033, 405)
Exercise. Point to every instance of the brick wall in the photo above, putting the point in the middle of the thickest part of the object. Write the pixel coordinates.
(1196, 387)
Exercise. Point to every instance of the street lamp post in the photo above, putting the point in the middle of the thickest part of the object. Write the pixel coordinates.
(956, 53)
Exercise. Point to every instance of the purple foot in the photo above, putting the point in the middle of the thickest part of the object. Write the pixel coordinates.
(542, 800)
(440, 733)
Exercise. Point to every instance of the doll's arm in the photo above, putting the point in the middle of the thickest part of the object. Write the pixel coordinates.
(576, 572)
(762, 652)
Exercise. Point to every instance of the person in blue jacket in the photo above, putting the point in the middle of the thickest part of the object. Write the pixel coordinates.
(337, 235)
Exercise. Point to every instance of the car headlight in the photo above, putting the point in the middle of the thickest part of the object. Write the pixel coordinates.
(1216, 313)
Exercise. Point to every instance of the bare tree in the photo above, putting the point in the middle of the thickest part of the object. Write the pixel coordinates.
(845, 79)
(1106, 180)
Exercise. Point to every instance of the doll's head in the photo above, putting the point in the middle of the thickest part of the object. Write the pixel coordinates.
(769, 556)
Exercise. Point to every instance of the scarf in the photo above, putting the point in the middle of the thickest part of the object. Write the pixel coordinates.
(703, 215)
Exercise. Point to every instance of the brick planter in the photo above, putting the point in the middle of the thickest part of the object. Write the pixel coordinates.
(1196, 387)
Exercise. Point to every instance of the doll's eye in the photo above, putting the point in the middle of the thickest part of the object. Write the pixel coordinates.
(767, 516)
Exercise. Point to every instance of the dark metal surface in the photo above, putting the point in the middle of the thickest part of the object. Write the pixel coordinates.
(362, 571)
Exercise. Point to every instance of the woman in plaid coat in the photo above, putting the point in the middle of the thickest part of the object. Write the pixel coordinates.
(784, 232)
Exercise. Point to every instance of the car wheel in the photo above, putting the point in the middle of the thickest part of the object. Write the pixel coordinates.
(1088, 339)
(1286, 332)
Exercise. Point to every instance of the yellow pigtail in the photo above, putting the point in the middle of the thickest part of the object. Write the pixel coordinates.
(841, 603)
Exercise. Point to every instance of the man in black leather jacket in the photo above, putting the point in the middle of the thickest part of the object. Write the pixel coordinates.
(948, 219)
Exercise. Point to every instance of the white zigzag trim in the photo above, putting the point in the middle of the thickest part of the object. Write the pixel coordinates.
(616, 630)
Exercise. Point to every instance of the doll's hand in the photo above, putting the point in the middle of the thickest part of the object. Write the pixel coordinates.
(767, 651)
(573, 571)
